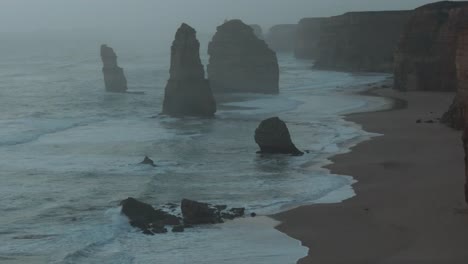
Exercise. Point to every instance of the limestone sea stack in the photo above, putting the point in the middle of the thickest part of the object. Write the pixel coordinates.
(272, 136)
(360, 41)
(114, 77)
(425, 57)
(188, 92)
(241, 62)
(282, 38)
(307, 38)
(456, 115)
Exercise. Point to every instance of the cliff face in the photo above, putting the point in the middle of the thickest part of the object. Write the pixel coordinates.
(241, 62)
(456, 115)
(426, 53)
(307, 38)
(114, 77)
(282, 38)
(360, 41)
(187, 91)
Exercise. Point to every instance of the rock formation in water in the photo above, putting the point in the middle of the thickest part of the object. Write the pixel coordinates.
(307, 38)
(146, 218)
(241, 62)
(114, 77)
(425, 56)
(155, 221)
(187, 92)
(282, 38)
(455, 117)
(148, 161)
(360, 41)
(272, 136)
(258, 31)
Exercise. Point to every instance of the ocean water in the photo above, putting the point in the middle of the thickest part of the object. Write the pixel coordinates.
(69, 153)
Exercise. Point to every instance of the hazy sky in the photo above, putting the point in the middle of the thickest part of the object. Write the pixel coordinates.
(38, 15)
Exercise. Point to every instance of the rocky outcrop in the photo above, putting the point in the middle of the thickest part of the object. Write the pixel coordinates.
(307, 38)
(114, 77)
(272, 136)
(360, 41)
(456, 115)
(146, 218)
(425, 58)
(148, 161)
(282, 38)
(154, 221)
(187, 91)
(241, 62)
(258, 31)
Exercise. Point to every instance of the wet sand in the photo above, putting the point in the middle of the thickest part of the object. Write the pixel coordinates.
(409, 205)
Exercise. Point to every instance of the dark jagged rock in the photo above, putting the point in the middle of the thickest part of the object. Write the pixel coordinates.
(360, 41)
(233, 213)
(258, 31)
(308, 37)
(187, 92)
(425, 57)
(114, 77)
(196, 213)
(178, 229)
(241, 62)
(282, 38)
(456, 115)
(272, 135)
(148, 161)
(146, 218)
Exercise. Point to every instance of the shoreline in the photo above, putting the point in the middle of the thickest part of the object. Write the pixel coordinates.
(407, 209)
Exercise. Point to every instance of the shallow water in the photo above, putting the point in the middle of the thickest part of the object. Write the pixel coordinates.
(69, 152)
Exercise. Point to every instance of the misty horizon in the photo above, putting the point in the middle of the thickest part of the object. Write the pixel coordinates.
(166, 16)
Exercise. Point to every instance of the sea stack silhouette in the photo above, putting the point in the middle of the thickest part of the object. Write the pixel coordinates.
(241, 62)
(187, 91)
(114, 77)
(272, 136)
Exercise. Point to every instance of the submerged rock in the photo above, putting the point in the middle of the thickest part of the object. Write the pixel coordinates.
(187, 92)
(114, 77)
(241, 62)
(148, 161)
(146, 218)
(272, 136)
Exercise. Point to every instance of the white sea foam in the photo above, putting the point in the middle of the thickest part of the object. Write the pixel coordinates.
(69, 153)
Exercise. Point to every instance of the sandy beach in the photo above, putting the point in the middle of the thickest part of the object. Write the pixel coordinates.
(409, 205)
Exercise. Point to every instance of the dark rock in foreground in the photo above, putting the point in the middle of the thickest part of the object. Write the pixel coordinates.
(241, 62)
(148, 161)
(272, 136)
(196, 213)
(187, 92)
(152, 221)
(146, 218)
(114, 77)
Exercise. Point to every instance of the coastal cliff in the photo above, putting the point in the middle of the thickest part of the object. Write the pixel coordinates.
(307, 38)
(425, 57)
(282, 38)
(455, 117)
(114, 77)
(241, 62)
(258, 31)
(360, 41)
(187, 92)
